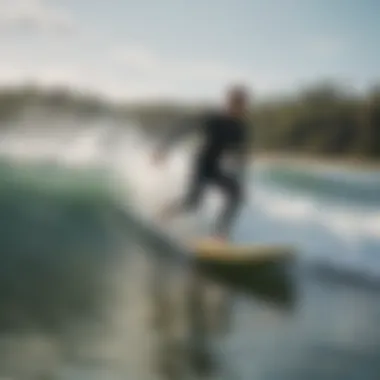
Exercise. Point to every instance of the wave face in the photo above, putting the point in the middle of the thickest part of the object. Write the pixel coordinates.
(57, 229)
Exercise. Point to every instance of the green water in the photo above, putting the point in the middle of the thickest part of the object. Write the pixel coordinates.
(86, 294)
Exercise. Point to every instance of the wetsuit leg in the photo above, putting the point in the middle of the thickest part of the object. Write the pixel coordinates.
(197, 186)
(232, 188)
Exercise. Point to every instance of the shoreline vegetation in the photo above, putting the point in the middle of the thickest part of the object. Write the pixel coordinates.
(303, 161)
(325, 123)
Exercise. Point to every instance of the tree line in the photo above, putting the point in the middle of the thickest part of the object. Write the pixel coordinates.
(323, 119)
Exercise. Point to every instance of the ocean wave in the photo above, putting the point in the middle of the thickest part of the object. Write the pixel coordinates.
(346, 221)
(327, 183)
(340, 237)
(58, 234)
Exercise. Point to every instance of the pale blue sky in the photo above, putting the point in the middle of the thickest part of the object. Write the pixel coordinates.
(189, 49)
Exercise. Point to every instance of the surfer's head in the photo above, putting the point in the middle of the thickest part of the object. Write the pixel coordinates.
(237, 100)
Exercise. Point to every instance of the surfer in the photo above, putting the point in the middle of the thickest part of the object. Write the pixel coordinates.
(221, 161)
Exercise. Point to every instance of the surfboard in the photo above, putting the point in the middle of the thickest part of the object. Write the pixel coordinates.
(258, 270)
(207, 250)
(262, 270)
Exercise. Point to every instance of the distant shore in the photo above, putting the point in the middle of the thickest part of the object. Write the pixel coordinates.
(302, 160)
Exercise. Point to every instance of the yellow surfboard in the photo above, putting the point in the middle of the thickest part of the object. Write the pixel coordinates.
(241, 253)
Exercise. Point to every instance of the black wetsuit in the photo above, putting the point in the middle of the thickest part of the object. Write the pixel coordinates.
(225, 138)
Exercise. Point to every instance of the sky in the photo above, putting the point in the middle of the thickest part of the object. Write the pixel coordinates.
(188, 49)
